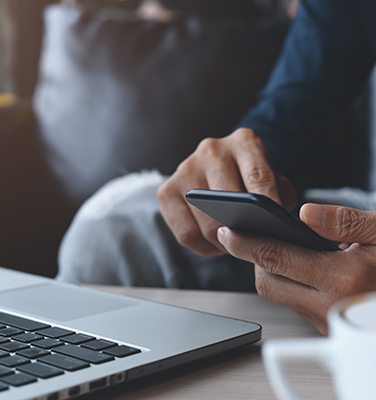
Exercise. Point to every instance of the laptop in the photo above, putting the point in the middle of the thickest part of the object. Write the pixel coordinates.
(59, 341)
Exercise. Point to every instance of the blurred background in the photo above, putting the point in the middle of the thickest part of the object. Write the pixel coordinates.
(94, 89)
(21, 32)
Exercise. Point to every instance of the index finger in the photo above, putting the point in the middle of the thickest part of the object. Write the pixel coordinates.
(309, 267)
(254, 165)
(184, 227)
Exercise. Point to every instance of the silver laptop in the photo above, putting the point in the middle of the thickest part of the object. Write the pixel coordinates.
(59, 341)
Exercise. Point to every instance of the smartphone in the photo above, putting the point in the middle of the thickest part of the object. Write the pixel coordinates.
(257, 215)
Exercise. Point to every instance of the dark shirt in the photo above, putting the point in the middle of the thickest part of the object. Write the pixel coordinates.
(326, 61)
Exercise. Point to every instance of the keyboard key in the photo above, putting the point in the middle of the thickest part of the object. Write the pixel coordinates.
(121, 351)
(18, 379)
(21, 323)
(28, 337)
(13, 361)
(4, 354)
(63, 362)
(8, 332)
(55, 333)
(99, 344)
(77, 338)
(3, 340)
(40, 370)
(48, 343)
(5, 371)
(90, 356)
(33, 353)
(12, 347)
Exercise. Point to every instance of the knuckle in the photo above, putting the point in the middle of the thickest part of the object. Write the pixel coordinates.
(347, 222)
(184, 167)
(245, 136)
(209, 147)
(269, 257)
(245, 133)
(260, 175)
(164, 191)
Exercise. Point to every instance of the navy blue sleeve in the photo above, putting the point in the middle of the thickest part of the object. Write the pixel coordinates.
(325, 62)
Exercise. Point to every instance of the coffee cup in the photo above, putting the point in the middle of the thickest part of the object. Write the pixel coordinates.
(349, 352)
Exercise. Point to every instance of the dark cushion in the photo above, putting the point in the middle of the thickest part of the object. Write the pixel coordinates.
(120, 94)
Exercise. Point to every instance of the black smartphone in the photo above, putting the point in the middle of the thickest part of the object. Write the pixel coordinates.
(257, 215)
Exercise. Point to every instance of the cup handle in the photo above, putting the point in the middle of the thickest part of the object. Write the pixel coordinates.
(276, 355)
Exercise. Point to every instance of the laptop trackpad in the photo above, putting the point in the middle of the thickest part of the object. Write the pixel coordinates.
(61, 302)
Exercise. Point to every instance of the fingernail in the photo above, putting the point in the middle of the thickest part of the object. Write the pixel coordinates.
(221, 234)
(316, 216)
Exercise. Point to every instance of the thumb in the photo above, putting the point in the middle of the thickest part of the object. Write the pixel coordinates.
(341, 224)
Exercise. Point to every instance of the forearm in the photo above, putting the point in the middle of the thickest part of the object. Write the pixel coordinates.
(325, 63)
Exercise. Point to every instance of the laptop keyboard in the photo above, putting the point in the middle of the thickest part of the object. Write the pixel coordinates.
(31, 350)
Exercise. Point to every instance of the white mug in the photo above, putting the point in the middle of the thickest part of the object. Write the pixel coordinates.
(349, 351)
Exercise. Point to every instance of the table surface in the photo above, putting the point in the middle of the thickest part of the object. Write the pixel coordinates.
(236, 375)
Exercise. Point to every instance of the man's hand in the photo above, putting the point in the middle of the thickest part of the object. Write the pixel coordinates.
(308, 281)
(238, 162)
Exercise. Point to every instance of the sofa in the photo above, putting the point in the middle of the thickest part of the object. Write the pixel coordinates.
(117, 94)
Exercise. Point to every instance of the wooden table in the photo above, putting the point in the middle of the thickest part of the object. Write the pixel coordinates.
(239, 375)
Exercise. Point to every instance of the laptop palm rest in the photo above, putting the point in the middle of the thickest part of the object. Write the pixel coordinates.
(61, 303)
